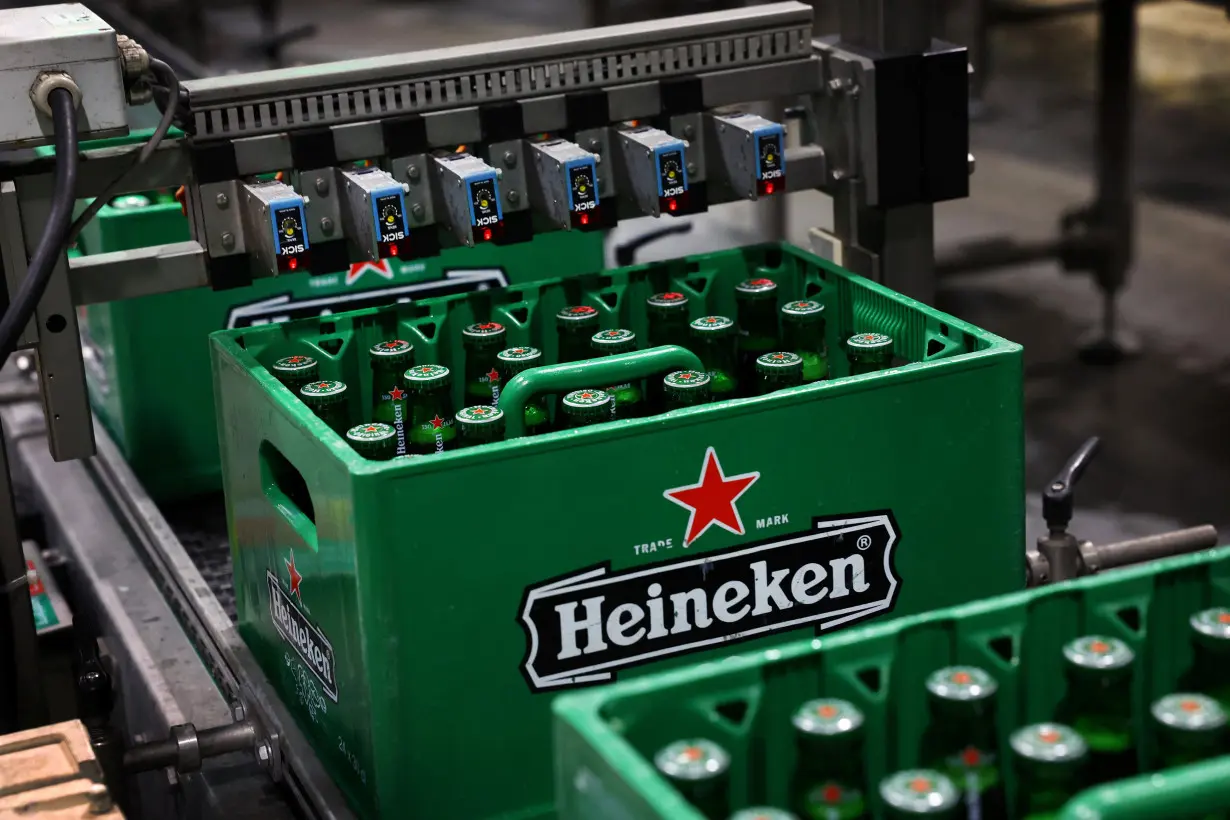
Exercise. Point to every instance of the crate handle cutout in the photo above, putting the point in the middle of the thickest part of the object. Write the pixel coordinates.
(288, 493)
(561, 378)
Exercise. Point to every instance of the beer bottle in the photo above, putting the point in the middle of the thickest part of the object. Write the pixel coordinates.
(1048, 759)
(828, 778)
(960, 738)
(327, 399)
(483, 342)
(777, 371)
(480, 424)
(756, 300)
(512, 361)
(1210, 670)
(700, 770)
(869, 352)
(629, 401)
(714, 341)
(1098, 704)
(917, 793)
(685, 388)
(1189, 727)
(585, 407)
(431, 409)
(803, 333)
(295, 371)
(374, 440)
(762, 813)
(668, 319)
(389, 359)
(576, 326)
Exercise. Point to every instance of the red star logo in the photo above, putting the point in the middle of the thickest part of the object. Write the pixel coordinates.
(761, 282)
(581, 310)
(393, 345)
(685, 376)
(371, 428)
(672, 296)
(832, 794)
(436, 422)
(380, 268)
(971, 757)
(294, 359)
(397, 394)
(490, 326)
(493, 375)
(712, 499)
(295, 578)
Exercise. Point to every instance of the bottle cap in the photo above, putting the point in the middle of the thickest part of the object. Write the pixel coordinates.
(480, 415)
(483, 334)
(588, 404)
(613, 341)
(515, 359)
(1049, 743)
(693, 760)
(323, 392)
(919, 791)
(762, 813)
(1098, 653)
(712, 326)
(758, 288)
(684, 381)
(129, 202)
(426, 377)
(577, 316)
(1211, 628)
(780, 363)
(961, 683)
(828, 717)
(668, 303)
(804, 310)
(392, 352)
(880, 344)
(298, 367)
(373, 437)
(1189, 712)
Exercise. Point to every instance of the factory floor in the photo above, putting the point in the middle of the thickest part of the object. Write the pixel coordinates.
(1165, 460)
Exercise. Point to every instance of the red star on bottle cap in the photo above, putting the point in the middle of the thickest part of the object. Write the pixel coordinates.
(397, 394)
(971, 756)
(685, 376)
(392, 345)
(1048, 735)
(425, 369)
(581, 309)
(827, 711)
(832, 794)
(489, 326)
(1189, 706)
(1099, 646)
(920, 784)
(692, 753)
(436, 422)
(779, 356)
(1224, 618)
(759, 282)
(712, 499)
(371, 428)
(672, 295)
(295, 578)
(294, 359)
(493, 375)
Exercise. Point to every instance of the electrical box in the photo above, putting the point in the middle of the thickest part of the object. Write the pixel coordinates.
(565, 183)
(470, 193)
(752, 153)
(374, 210)
(653, 169)
(69, 38)
(274, 227)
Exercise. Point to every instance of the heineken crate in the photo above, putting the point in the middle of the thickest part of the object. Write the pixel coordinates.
(401, 605)
(147, 359)
(882, 687)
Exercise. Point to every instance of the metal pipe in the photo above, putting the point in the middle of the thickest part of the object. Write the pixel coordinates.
(186, 748)
(1150, 548)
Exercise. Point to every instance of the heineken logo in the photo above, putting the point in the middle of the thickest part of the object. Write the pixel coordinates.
(583, 628)
(711, 500)
(309, 643)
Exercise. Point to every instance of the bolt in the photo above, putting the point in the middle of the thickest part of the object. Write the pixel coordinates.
(839, 174)
(692, 168)
(306, 200)
(326, 224)
(237, 711)
(513, 196)
(688, 132)
(263, 752)
(222, 200)
(322, 186)
(228, 240)
(412, 173)
(510, 159)
(594, 144)
(417, 212)
(840, 85)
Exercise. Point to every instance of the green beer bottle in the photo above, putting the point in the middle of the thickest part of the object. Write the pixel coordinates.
(685, 388)
(1098, 704)
(629, 401)
(777, 371)
(432, 427)
(917, 793)
(762, 813)
(1048, 759)
(1189, 727)
(512, 361)
(295, 371)
(869, 352)
(700, 770)
(829, 778)
(582, 408)
(756, 300)
(480, 424)
(389, 360)
(1210, 670)
(483, 341)
(803, 333)
(960, 738)
(668, 319)
(715, 342)
(576, 325)
(374, 440)
(327, 399)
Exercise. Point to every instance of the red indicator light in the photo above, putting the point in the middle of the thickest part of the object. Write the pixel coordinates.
(294, 263)
(393, 249)
(672, 205)
(486, 234)
(768, 187)
(584, 219)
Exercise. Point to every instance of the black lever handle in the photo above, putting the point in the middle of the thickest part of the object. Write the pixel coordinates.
(1057, 498)
(625, 252)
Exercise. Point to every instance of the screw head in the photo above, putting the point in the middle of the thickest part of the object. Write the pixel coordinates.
(510, 159)
(688, 132)
(417, 212)
(594, 144)
(263, 752)
(691, 166)
(228, 240)
(326, 224)
(222, 200)
(412, 173)
(322, 185)
(513, 196)
(839, 174)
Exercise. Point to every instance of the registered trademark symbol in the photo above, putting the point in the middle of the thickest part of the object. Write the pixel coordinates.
(864, 542)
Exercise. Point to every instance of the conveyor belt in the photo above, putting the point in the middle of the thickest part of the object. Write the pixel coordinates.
(200, 525)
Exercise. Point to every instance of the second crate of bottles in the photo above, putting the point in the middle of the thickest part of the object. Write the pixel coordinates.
(419, 613)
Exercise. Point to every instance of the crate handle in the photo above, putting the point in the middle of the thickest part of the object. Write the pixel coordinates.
(561, 378)
(286, 489)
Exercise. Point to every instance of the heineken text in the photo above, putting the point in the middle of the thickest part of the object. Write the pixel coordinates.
(308, 642)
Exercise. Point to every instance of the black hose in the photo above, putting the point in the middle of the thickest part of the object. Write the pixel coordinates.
(51, 241)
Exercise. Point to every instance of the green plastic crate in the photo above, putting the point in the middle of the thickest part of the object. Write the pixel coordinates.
(605, 738)
(436, 581)
(147, 359)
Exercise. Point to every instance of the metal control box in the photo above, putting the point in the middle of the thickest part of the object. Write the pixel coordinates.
(65, 37)
(653, 168)
(752, 154)
(469, 190)
(564, 185)
(275, 227)
(374, 209)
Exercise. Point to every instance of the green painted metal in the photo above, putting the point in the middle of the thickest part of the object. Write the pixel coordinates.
(148, 361)
(605, 738)
(431, 578)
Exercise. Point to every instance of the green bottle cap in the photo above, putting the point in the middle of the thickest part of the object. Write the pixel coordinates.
(1098, 653)
(693, 760)
(871, 345)
(515, 359)
(1186, 712)
(588, 405)
(780, 364)
(802, 311)
(1211, 628)
(613, 341)
(1051, 743)
(961, 683)
(318, 394)
(712, 326)
(373, 438)
(762, 813)
(577, 316)
(756, 289)
(483, 334)
(392, 352)
(919, 791)
(686, 381)
(129, 202)
(669, 303)
(296, 368)
(827, 717)
(482, 422)
(426, 377)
